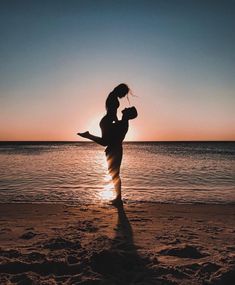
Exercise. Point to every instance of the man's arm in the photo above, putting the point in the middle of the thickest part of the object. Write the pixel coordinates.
(121, 128)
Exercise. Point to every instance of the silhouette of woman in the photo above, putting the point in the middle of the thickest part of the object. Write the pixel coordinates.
(111, 105)
(113, 134)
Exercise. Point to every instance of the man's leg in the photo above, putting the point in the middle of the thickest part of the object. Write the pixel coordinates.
(117, 183)
(114, 163)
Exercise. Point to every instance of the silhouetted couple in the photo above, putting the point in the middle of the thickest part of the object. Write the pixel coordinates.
(113, 133)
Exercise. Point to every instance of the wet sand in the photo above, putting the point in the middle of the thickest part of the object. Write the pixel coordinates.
(142, 243)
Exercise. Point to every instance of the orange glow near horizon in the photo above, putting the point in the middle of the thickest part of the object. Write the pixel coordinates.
(132, 135)
(159, 119)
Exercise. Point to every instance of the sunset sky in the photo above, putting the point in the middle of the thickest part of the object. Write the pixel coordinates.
(60, 59)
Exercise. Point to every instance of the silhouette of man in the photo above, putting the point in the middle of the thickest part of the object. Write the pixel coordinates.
(115, 134)
(114, 149)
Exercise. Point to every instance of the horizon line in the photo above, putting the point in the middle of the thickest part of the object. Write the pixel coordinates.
(129, 141)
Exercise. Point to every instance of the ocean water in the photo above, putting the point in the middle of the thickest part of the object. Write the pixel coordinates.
(73, 173)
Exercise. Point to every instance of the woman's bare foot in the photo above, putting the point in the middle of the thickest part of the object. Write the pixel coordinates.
(84, 135)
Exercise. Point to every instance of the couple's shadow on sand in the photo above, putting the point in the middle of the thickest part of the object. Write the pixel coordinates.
(121, 263)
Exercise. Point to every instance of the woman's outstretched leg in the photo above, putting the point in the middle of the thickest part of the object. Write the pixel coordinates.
(95, 139)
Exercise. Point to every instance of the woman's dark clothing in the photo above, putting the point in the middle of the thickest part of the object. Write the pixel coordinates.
(105, 126)
(106, 122)
(112, 105)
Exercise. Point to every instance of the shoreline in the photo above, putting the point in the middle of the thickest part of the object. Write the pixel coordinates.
(141, 243)
(140, 141)
(125, 203)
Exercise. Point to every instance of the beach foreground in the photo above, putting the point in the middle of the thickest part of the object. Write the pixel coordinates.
(142, 243)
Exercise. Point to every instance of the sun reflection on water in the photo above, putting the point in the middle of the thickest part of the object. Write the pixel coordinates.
(107, 193)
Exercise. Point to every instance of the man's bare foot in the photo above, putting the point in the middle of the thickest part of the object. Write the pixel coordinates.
(117, 202)
(84, 135)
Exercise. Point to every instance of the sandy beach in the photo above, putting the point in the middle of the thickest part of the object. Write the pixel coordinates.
(144, 243)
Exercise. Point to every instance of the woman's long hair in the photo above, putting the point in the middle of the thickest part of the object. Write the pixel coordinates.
(120, 89)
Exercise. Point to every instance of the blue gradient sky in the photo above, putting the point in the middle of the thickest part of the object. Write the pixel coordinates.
(60, 59)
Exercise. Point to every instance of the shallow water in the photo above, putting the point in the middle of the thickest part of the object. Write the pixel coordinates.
(178, 172)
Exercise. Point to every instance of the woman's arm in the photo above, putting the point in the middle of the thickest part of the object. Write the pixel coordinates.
(115, 119)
